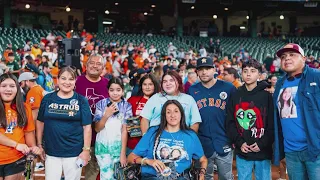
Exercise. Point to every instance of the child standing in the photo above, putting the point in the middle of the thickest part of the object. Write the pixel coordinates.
(249, 124)
(110, 118)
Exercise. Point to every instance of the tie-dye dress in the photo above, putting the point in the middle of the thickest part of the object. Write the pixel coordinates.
(108, 140)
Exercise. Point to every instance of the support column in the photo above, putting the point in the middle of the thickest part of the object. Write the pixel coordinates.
(253, 24)
(225, 25)
(179, 19)
(7, 14)
(100, 21)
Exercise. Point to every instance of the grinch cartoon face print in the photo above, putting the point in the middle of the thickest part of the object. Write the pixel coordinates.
(249, 117)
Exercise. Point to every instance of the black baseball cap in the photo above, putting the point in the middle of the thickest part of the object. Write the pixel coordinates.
(205, 62)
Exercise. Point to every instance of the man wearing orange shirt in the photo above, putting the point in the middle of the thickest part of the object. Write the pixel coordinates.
(231, 75)
(34, 98)
(139, 60)
(35, 93)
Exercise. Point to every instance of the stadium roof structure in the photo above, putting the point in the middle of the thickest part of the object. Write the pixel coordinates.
(167, 7)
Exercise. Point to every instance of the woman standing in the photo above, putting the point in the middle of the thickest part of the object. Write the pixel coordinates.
(65, 119)
(172, 89)
(148, 86)
(174, 136)
(16, 129)
(110, 118)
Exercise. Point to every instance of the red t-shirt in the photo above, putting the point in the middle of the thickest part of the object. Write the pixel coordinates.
(137, 103)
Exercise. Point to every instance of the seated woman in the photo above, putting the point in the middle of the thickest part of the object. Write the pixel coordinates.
(174, 136)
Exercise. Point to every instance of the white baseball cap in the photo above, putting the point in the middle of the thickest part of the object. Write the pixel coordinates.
(26, 76)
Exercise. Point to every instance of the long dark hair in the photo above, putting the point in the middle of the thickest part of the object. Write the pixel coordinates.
(175, 75)
(282, 102)
(163, 122)
(116, 80)
(16, 104)
(154, 81)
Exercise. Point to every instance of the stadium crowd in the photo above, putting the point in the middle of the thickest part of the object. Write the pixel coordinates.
(194, 108)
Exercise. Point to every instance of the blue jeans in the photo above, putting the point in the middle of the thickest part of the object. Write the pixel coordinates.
(224, 165)
(262, 169)
(301, 168)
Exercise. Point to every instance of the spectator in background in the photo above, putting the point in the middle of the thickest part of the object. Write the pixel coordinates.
(35, 50)
(152, 49)
(316, 64)
(192, 64)
(231, 75)
(3, 67)
(45, 79)
(54, 56)
(48, 53)
(168, 66)
(116, 67)
(135, 77)
(181, 54)
(202, 51)
(172, 50)
(217, 47)
(268, 62)
(192, 79)
(139, 59)
(27, 47)
(13, 66)
(211, 46)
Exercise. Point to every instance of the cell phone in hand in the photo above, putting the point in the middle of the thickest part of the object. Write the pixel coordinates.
(115, 113)
(79, 163)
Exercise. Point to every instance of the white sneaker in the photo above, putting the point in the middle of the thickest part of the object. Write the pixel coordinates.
(39, 167)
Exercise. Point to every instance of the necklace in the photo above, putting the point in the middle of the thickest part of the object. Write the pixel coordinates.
(174, 139)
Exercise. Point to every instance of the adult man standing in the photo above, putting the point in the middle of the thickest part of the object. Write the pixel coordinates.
(94, 88)
(297, 107)
(212, 96)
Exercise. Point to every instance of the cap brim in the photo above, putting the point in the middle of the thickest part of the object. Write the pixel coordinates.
(283, 50)
(204, 66)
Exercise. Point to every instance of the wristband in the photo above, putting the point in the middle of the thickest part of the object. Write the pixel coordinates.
(142, 161)
(86, 149)
(135, 160)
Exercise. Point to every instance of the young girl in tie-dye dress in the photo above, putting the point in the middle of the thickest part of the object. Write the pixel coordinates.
(110, 118)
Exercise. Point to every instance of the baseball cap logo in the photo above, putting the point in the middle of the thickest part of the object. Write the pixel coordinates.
(290, 47)
(204, 60)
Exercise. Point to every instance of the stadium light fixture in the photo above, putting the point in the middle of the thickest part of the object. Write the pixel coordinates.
(226, 9)
(68, 9)
(116, 4)
(215, 16)
(107, 12)
(145, 13)
(107, 22)
(247, 17)
(27, 6)
(281, 17)
(242, 27)
(153, 5)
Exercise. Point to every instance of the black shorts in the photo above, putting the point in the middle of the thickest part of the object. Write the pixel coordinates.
(12, 168)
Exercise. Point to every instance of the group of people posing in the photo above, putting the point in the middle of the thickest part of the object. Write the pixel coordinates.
(83, 123)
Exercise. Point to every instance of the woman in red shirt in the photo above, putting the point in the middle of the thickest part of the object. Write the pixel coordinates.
(148, 86)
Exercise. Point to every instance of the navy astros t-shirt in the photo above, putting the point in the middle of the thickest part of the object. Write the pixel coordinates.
(63, 124)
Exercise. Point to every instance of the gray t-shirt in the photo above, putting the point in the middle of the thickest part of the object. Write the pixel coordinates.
(115, 67)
